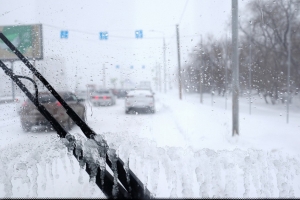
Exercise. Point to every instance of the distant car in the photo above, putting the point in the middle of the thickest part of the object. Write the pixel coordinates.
(119, 93)
(103, 98)
(122, 93)
(30, 116)
(140, 99)
(18, 102)
(82, 94)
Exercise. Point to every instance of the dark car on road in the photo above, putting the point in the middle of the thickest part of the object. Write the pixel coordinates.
(31, 117)
(82, 94)
(119, 93)
(103, 97)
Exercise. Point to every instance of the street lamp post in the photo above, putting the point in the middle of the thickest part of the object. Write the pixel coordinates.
(179, 65)
(199, 55)
(164, 50)
(235, 69)
(201, 74)
(165, 70)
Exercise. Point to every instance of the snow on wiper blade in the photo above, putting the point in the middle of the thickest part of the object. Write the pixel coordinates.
(109, 188)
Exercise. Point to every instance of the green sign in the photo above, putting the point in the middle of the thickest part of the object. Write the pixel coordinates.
(26, 38)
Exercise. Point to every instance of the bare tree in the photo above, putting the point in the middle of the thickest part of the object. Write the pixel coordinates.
(270, 22)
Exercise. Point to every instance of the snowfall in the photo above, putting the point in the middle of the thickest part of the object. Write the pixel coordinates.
(185, 149)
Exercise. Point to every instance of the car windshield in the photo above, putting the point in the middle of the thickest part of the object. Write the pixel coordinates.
(103, 92)
(46, 99)
(139, 92)
(165, 99)
(82, 93)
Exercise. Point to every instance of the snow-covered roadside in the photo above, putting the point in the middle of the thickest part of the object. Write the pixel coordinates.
(209, 126)
(42, 168)
(184, 150)
(252, 165)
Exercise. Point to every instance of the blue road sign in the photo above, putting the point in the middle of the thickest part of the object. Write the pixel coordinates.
(138, 34)
(131, 67)
(143, 66)
(64, 34)
(117, 66)
(103, 35)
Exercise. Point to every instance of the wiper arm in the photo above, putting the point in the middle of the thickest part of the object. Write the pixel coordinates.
(135, 188)
(34, 83)
(60, 130)
(108, 178)
(88, 132)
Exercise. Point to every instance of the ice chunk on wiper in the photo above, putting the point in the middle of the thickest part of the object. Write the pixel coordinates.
(102, 145)
(94, 155)
(88, 151)
(112, 155)
(69, 141)
(79, 141)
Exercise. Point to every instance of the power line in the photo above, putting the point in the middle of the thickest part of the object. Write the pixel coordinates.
(118, 46)
(117, 36)
(183, 11)
(93, 33)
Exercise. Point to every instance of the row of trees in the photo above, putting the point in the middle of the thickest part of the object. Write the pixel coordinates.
(263, 54)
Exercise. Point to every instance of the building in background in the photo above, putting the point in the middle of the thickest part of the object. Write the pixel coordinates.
(145, 85)
(53, 68)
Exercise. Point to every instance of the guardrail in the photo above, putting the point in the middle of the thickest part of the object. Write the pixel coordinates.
(6, 101)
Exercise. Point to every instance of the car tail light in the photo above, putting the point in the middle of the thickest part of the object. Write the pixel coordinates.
(106, 97)
(95, 97)
(58, 103)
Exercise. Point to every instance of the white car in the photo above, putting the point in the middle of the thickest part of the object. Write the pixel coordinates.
(82, 94)
(138, 100)
(103, 98)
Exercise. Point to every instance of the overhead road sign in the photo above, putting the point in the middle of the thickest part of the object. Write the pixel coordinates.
(64, 34)
(28, 39)
(138, 34)
(103, 35)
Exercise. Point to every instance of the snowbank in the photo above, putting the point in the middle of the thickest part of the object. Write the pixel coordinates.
(184, 150)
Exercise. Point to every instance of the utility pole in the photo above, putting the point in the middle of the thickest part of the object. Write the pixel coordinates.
(235, 69)
(164, 64)
(76, 80)
(169, 74)
(159, 76)
(201, 73)
(179, 67)
(226, 72)
(250, 75)
(165, 69)
(12, 82)
(213, 85)
(157, 80)
(289, 65)
(104, 76)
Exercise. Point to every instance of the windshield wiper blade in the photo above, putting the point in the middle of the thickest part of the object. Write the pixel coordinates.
(88, 132)
(108, 178)
(134, 188)
(60, 130)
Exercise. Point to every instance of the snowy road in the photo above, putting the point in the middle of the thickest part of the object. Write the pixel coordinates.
(185, 149)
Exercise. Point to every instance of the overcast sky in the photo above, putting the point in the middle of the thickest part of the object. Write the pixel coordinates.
(85, 54)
